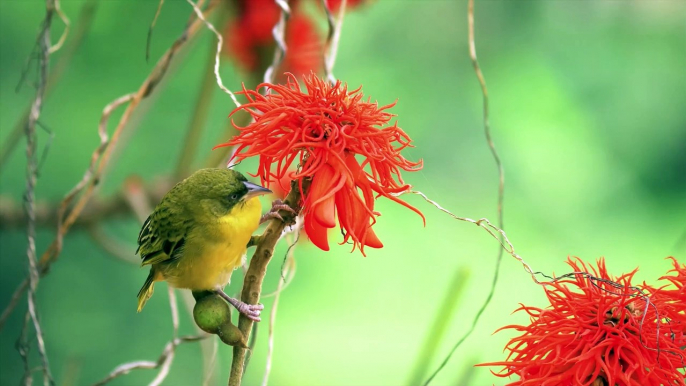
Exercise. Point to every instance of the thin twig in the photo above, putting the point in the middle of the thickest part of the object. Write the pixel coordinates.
(30, 195)
(164, 358)
(184, 165)
(209, 365)
(166, 364)
(82, 27)
(220, 43)
(102, 155)
(137, 198)
(484, 223)
(65, 33)
(251, 343)
(332, 39)
(112, 246)
(152, 27)
(23, 347)
(252, 284)
(120, 205)
(501, 185)
(290, 261)
(279, 34)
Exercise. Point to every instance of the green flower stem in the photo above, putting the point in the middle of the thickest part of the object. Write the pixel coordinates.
(441, 322)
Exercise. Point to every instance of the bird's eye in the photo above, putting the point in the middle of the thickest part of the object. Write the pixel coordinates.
(234, 196)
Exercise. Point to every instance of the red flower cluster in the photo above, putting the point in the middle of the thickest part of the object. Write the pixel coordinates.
(249, 37)
(596, 332)
(322, 131)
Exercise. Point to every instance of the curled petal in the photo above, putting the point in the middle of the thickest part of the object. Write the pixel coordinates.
(338, 140)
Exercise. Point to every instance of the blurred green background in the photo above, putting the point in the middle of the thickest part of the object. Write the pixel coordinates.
(587, 113)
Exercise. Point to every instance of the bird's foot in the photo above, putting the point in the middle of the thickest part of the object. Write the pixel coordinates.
(277, 205)
(252, 311)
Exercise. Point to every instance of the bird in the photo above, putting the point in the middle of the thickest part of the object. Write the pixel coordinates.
(199, 233)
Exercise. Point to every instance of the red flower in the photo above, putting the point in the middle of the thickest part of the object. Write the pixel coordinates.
(596, 333)
(251, 32)
(249, 38)
(323, 130)
(673, 298)
(334, 5)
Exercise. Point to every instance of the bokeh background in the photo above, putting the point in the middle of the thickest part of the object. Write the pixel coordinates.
(587, 113)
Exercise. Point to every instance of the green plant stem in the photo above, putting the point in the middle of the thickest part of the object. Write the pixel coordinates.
(440, 325)
(252, 284)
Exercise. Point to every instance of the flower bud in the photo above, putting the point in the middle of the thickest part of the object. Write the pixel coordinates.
(231, 335)
(211, 312)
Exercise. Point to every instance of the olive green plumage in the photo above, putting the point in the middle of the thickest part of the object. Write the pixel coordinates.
(199, 231)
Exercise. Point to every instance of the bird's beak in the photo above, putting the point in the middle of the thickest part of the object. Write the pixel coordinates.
(254, 190)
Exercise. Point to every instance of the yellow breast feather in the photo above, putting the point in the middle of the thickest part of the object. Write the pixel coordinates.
(211, 253)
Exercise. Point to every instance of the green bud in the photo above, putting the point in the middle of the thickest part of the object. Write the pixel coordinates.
(211, 312)
(231, 335)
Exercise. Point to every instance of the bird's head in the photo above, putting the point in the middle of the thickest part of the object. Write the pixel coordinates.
(215, 191)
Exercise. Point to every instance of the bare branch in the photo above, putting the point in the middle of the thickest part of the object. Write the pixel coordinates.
(102, 155)
(65, 33)
(167, 362)
(166, 357)
(82, 27)
(152, 27)
(30, 195)
(332, 39)
(279, 33)
(111, 246)
(134, 199)
(220, 43)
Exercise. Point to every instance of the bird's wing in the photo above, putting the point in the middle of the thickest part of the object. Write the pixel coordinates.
(162, 237)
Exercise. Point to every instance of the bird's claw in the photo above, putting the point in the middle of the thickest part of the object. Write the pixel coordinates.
(251, 311)
(277, 205)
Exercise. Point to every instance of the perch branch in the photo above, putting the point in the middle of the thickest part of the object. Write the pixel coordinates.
(252, 284)
(290, 262)
(102, 154)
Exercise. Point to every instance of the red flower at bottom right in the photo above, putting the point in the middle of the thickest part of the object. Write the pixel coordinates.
(599, 331)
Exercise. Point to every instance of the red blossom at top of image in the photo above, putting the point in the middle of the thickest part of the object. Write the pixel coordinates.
(596, 333)
(249, 40)
(323, 130)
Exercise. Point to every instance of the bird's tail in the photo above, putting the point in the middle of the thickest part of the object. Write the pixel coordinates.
(146, 291)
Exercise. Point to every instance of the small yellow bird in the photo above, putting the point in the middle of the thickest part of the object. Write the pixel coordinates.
(199, 234)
